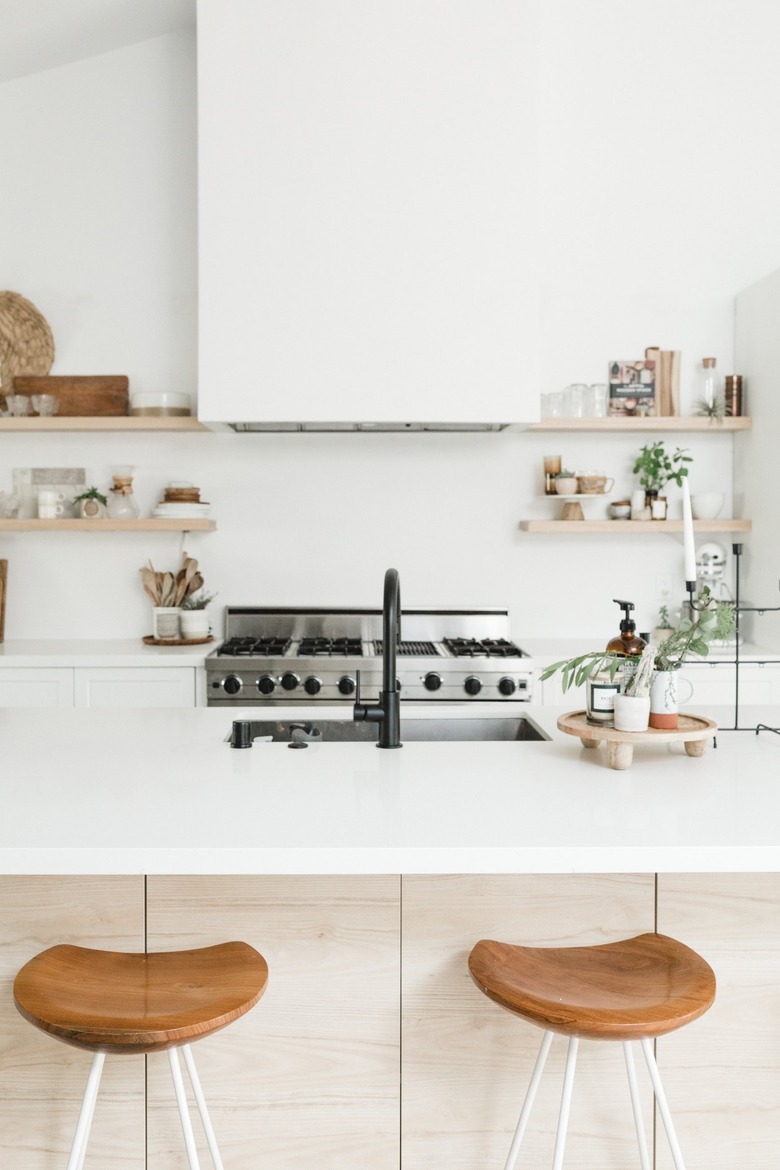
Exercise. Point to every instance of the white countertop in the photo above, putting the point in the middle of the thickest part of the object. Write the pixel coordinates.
(25, 652)
(102, 791)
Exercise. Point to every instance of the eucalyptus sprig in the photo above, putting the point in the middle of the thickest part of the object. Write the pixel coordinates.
(713, 623)
(577, 671)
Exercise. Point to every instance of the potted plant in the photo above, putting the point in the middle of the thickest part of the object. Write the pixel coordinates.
(91, 504)
(194, 619)
(664, 627)
(566, 483)
(598, 672)
(655, 468)
(712, 621)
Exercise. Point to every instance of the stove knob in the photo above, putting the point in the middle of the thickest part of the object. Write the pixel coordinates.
(346, 685)
(432, 681)
(312, 686)
(472, 685)
(290, 681)
(266, 685)
(231, 685)
(506, 686)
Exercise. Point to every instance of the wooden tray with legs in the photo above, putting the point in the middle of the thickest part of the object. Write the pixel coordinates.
(692, 731)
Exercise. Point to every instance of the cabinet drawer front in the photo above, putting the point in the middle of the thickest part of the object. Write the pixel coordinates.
(135, 687)
(36, 687)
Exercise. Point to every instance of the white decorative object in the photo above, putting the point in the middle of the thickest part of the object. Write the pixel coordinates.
(632, 712)
(688, 542)
(707, 505)
(195, 623)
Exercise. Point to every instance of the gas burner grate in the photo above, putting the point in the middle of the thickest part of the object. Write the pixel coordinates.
(426, 649)
(330, 647)
(485, 648)
(268, 647)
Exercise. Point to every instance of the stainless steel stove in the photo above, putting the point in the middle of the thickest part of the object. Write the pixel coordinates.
(290, 656)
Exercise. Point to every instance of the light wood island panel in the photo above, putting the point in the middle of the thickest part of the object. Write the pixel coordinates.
(467, 1062)
(310, 1077)
(42, 1080)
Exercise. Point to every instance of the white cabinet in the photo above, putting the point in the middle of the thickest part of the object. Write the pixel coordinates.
(135, 686)
(102, 686)
(36, 687)
(714, 684)
(367, 211)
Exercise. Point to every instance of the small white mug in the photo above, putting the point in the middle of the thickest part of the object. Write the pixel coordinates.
(50, 511)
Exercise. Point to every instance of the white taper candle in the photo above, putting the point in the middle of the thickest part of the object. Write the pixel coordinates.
(688, 546)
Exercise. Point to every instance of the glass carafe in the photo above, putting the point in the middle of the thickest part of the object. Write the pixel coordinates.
(122, 504)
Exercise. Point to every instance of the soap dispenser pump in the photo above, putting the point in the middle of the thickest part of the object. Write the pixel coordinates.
(627, 642)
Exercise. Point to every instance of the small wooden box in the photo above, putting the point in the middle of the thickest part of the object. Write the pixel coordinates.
(80, 395)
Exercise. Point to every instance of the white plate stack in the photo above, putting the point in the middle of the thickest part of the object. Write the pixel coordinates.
(182, 501)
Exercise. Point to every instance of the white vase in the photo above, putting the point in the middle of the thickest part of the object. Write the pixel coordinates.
(195, 623)
(632, 712)
(665, 699)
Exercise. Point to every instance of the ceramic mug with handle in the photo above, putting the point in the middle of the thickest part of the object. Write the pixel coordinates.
(665, 699)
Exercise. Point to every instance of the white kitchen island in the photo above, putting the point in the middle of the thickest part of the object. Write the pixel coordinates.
(364, 877)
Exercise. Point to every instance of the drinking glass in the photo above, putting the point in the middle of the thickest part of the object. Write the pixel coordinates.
(597, 400)
(552, 465)
(576, 395)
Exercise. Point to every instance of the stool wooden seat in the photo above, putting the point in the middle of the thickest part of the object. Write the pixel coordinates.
(636, 989)
(117, 1002)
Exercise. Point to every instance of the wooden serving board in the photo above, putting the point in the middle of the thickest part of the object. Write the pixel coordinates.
(692, 731)
(150, 640)
(80, 395)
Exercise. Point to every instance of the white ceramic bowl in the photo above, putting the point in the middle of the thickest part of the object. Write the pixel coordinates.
(707, 505)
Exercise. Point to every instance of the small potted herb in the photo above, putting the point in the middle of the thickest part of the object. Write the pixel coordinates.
(655, 468)
(91, 504)
(195, 623)
(566, 483)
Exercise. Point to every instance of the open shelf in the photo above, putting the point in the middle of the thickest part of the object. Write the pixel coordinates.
(617, 526)
(65, 525)
(632, 425)
(107, 422)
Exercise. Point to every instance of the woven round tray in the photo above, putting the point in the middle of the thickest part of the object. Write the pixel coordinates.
(26, 342)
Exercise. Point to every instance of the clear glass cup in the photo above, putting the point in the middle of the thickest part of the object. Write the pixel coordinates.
(553, 404)
(45, 404)
(576, 396)
(18, 404)
(597, 399)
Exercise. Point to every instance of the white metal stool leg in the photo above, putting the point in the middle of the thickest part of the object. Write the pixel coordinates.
(189, 1060)
(184, 1113)
(84, 1124)
(563, 1116)
(525, 1112)
(660, 1096)
(639, 1124)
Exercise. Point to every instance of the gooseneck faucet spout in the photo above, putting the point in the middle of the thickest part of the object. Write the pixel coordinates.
(387, 712)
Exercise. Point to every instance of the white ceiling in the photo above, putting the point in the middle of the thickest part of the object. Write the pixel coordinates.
(41, 34)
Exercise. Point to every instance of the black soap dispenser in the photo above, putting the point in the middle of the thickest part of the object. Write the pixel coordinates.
(627, 642)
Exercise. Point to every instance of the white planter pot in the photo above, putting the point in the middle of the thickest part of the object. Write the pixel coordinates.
(632, 712)
(665, 699)
(166, 623)
(195, 623)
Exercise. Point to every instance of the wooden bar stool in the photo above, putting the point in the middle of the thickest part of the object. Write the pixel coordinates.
(636, 989)
(112, 1001)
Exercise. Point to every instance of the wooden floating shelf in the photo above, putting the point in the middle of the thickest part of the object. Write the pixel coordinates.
(623, 526)
(632, 425)
(177, 525)
(141, 422)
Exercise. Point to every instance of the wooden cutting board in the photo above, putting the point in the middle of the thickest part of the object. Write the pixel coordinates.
(80, 395)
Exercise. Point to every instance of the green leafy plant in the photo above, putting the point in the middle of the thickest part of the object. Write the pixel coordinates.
(565, 475)
(715, 409)
(713, 623)
(577, 671)
(91, 494)
(663, 618)
(198, 600)
(655, 467)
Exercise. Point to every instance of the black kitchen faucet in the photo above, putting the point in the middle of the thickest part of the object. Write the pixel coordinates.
(387, 712)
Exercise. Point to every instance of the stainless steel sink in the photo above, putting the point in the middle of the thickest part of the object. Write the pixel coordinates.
(445, 729)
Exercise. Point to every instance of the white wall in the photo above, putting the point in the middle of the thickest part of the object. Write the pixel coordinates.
(97, 228)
